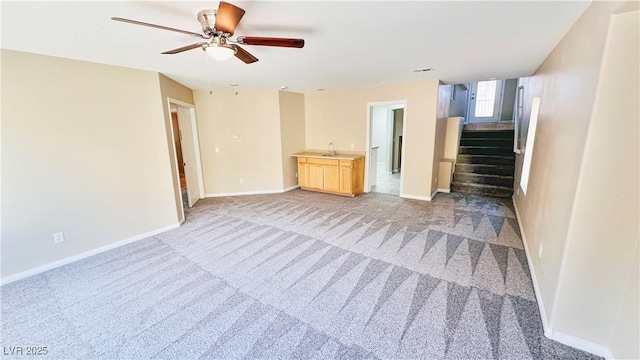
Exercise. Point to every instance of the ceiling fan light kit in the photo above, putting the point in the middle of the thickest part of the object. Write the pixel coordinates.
(218, 27)
(219, 52)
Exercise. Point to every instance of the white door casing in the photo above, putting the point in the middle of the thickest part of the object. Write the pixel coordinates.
(368, 166)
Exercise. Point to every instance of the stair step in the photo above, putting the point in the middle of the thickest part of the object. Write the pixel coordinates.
(504, 170)
(486, 159)
(493, 142)
(485, 150)
(490, 126)
(502, 134)
(498, 180)
(480, 189)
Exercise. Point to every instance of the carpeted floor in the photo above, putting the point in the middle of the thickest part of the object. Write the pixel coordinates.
(297, 275)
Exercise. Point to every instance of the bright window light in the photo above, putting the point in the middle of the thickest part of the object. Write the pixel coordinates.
(528, 149)
(485, 98)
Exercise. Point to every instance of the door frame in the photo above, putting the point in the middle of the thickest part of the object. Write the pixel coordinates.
(399, 104)
(497, 107)
(391, 132)
(196, 145)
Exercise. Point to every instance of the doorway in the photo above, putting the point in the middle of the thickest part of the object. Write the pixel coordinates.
(385, 131)
(187, 153)
(491, 101)
(179, 159)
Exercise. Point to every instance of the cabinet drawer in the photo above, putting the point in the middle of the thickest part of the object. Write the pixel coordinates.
(348, 163)
(302, 160)
(333, 162)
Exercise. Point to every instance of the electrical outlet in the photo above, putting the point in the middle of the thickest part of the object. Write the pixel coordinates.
(58, 237)
(217, 149)
(241, 180)
(518, 191)
(353, 146)
(236, 136)
(296, 174)
(540, 248)
(435, 180)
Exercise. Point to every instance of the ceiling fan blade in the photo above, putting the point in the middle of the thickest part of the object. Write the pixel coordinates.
(244, 55)
(184, 48)
(271, 41)
(135, 22)
(228, 17)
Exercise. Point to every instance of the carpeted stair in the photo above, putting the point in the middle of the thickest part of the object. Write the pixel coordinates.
(485, 164)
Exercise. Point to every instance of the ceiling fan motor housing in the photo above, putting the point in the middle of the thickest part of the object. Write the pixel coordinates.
(207, 19)
(218, 25)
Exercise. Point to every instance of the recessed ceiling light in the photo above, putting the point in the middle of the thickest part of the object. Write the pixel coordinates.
(382, 82)
(284, 87)
(419, 70)
(320, 89)
(234, 85)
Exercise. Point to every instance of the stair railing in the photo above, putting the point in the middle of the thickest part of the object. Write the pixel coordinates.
(518, 120)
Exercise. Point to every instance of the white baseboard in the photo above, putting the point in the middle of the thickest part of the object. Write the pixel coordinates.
(259, 192)
(581, 344)
(417, 197)
(536, 288)
(562, 338)
(84, 255)
(444, 190)
(291, 188)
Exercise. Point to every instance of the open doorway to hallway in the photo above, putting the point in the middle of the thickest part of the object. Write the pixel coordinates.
(385, 135)
(179, 159)
(189, 182)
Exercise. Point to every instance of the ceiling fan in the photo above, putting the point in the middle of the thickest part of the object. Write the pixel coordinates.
(218, 27)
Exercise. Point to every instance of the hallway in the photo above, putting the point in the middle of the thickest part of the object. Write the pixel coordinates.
(386, 183)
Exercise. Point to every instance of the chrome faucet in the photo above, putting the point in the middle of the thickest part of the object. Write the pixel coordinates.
(331, 152)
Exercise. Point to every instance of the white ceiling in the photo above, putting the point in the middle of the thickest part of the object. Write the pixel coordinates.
(348, 44)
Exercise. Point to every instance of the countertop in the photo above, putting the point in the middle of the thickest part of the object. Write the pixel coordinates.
(325, 156)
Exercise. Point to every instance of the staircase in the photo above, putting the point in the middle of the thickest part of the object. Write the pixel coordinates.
(485, 163)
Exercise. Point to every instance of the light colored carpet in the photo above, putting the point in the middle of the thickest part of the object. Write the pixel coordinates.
(297, 275)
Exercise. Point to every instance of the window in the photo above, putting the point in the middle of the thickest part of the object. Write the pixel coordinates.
(485, 98)
(528, 149)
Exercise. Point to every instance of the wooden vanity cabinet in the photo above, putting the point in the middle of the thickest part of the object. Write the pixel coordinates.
(336, 176)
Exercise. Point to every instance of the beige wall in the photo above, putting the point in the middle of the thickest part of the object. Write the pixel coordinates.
(256, 156)
(176, 91)
(624, 340)
(605, 224)
(567, 82)
(84, 151)
(583, 226)
(292, 134)
(340, 116)
(452, 137)
(442, 113)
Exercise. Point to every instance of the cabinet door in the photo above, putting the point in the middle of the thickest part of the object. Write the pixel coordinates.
(346, 176)
(315, 176)
(331, 178)
(302, 172)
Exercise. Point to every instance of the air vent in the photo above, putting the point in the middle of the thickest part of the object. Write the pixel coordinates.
(421, 70)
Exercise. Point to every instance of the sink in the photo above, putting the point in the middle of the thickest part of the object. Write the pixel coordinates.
(328, 155)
